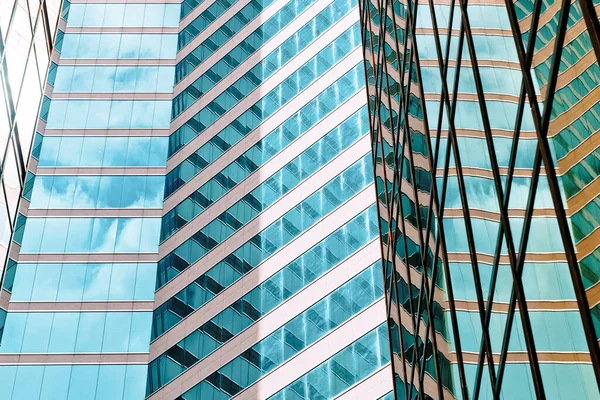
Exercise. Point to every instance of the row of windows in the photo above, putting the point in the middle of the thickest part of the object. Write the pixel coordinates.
(113, 79)
(487, 47)
(541, 281)
(83, 282)
(76, 332)
(273, 291)
(586, 220)
(110, 191)
(576, 132)
(474, 152)
(271, 239)
(340, 372)
(559, 331)
(284, 343)
(123, 15)
(117, 45)
(274, 99)
(234, 25)
(268, 65)
(91, 235)
(562, 381)
(578, 88)
(480, 16)
(274, 141)
(502, 115)
(187, 6)
(541, 237)
(101, 151)
(493, 79)
(73, 382)
(109, 114)
(273, 188)
(481, 193)
(582, 174)
(207, 17)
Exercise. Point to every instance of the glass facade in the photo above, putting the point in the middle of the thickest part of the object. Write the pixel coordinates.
(198, 216)
(268, 195)
(483, 128)
(81, 276)
(27, 35)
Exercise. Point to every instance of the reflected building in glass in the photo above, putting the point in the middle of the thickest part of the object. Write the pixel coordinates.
(484, 123)
(199, 218)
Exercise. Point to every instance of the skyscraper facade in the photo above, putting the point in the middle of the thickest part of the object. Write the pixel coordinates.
(484, 127)
(27, 34)
(199, 219)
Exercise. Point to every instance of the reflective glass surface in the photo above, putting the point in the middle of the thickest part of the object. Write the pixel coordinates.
(344, 369)
(279, 346)
(455, 141)
(108, 114)
(113, 79)
(101, 151)
(269, 64)
(118, 46)
(308, 116)
(292, 278)
(91, 235)
(271, 239)
(271, 101)
(27, 32)
(235, 24)
(76, 332)
(268, 192)
(82, 282)
(72, 382)
(124, 15)
(83, 191)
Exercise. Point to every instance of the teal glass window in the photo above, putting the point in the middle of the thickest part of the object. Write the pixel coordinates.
(541, 281)
(278, 184)
(561, 381)
(83, 282)
(269, 64)
(558, 331)
(116, 45)
(235, 24)
(295, 126)
(271, 239)
(72, 382)
(91, 235)
(289, 280)
(276, 98)
(340, 372)
(80, 191)
(108, 114)
(300, 332)
(113, 79)
(123, 15)
(102, 151)
(77, 332)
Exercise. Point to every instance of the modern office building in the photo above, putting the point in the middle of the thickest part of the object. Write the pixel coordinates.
(199, 220)
(27, 34)
(484, 119)
(212, 188)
